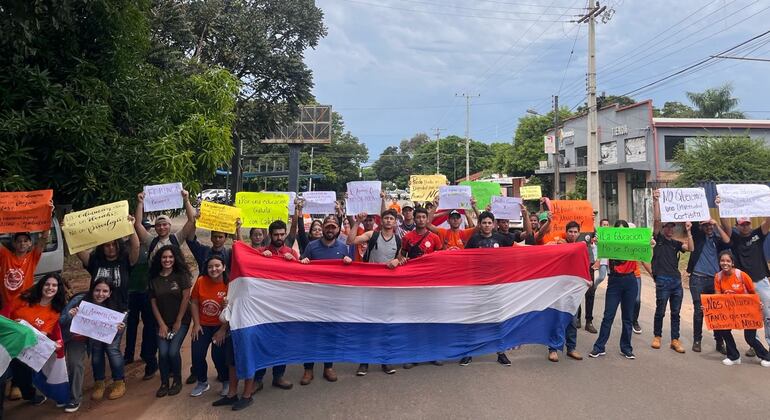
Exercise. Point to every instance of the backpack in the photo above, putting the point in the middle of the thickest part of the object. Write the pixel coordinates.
(372, 244)
(155, 240)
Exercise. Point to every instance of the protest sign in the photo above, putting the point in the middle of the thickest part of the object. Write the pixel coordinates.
(220, 217)
(483, 192)
(565, 211)
(163, 197)
(507, 208)
(454, 197)
(732, 312)
(364, 196)
(91, 227)
(25, 211)
(425, 187)
(744, 200)
(532, 192)
(320, 202)
(292, 197)
(260, 209)
(620, 243)
(36, 356)
(96, 322)
(683, 205)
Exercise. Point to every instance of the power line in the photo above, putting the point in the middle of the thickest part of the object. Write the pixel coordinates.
(741, 58)
(433, 12)
(453, 6)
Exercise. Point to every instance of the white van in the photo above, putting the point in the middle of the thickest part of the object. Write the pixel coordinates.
(52, 260)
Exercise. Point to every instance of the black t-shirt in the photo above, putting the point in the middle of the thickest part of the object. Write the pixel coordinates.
(117, 271)
(749, 253)
(167, 292)
(665, 256)
(512, 235)
(497, 240)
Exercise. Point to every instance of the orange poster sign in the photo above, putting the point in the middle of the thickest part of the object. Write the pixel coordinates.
(732, 312)
(25, 211)
(565, 211)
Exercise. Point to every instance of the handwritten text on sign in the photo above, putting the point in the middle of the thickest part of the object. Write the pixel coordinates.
(732, 312)
(565, 211)
(364, 196)
(96, 322)
(91, 227)
(320, 202)
(532, 192)
(163, 197)
(425, 187)
(454, 197)
(218, 217)
(507, 208)
(260, 209)
(25, 211)
(36, 356)
(683, 205)
(292, 196)
(744, 200)
(631, 244)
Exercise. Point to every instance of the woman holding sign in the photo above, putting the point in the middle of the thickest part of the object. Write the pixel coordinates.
(731, 280)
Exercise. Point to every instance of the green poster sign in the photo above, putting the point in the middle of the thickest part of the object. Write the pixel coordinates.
(621, 243)
(483, 192)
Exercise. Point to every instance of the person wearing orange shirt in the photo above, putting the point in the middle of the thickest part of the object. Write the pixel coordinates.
(40, 306)
(17, 266)
(454, 237)
(731, 280)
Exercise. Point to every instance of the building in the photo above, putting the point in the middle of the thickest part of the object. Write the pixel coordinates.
(636, 153)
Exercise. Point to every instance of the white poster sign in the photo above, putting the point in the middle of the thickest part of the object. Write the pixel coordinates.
(683, 205)
(549, 143)
(744, 200)
(163, 197)
(364, 196)
(292, 196)
(36, 356)
(96, 322)
(454, 197)
(320, 202)
(506, 208)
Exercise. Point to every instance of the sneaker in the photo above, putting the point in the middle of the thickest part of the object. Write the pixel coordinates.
(175, 388)
(764, 363)
(38, 399)
(751, 353)
(590, 327)
(596, 354)
(71, 407)
(98, 391)
(200, 389)
(696, 346)
(116, 389)
(242, 403)
(629, 356)
(503, 359)
(191, 379)
(225, 389)
(408, 365)
(728, 362)
(437, 363)
(388, 370)
(362, 370)
(721, 347)
(225, 401)
(162, 391)
(637, 328)
(465, 361)
(60, 405)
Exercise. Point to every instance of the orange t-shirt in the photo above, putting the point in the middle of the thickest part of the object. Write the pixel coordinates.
(18, 273)
(44, 318)
(455, 239)
(737, 283)
(210, 296)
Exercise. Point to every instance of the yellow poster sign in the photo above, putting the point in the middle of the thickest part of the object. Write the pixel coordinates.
(531, 193)
(260, 209)
(101, 224)
(425, 187)
(218, 217)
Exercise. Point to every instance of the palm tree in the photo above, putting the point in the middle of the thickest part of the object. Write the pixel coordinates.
(716, 103)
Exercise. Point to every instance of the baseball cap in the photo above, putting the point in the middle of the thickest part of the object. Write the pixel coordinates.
(331, 220)
(406, 203)
(543, 216)
(742, 220)
(162, 218)
(669, 223)
(455, 213)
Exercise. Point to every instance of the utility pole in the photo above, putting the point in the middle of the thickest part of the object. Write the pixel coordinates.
(438, 136)
(467, 97)
(556, 155)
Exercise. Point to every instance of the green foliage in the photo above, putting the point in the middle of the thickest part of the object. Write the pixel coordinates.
(581, 187)
(452, 158)
(716, 103)
(675, 110)
(723, 159)
(528, 142)
(602, 101)
(393, 166)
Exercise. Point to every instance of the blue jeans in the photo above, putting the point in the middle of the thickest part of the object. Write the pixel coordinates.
(763, 290)
(570, 336)
(170, 356)
(139, 306)
(667, 289)
(98, 349)
(278, 372)
(199, 349)
(621, 290)
(700, 285)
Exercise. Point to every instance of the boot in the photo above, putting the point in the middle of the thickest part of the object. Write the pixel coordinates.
(116, 389)
(677, 346)
(590, 327)
(307, 378)
(98, 392)
(656, 343)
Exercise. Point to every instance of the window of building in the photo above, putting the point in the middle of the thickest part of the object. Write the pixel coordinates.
(672, 145)
(636, 149)
(581, 156)
(609, 153)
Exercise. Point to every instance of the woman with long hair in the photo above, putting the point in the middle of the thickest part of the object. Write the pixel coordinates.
(169, 291)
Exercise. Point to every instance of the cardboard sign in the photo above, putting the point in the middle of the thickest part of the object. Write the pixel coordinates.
(292, 197)
(532, 192)
(320, 202)
(260, 209)
(744, 200)
(454, 197)
(219, 217)
(425, 187)
(631, 244)
(88, 228)
(507, 208)
(732, 312)
(565, 211)
(96, 322)
(363, 196)
(483, 192)
(36, 356)
(683, 205)
(163, 197)
(25, 211)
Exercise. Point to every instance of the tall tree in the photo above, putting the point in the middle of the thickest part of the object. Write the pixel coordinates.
(723, 159)
(393, 165)
(452, 157)
(716, 102)
(528, 148)
(675, 110)
(604, 100)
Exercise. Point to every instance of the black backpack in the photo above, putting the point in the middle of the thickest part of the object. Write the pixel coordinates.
(372, 244)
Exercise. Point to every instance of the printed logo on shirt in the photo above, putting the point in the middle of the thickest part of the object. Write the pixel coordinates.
(753, 239)
(210, 307)
(427, 244)
(221, 295)
(14, 278)
(112, 273)
(173, 286)
(39, 322)
(496, 245)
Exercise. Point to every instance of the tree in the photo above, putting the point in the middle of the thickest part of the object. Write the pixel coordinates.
(502, 158)
(716, 103)
(410, 146)
(675, 110)
(452, 157)
(723, 159)
(528, 141)
(602, 101)
(393, 166)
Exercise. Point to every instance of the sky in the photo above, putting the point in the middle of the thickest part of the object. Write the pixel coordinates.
(394, 68)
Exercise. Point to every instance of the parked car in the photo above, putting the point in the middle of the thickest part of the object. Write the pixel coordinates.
(52, 260)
